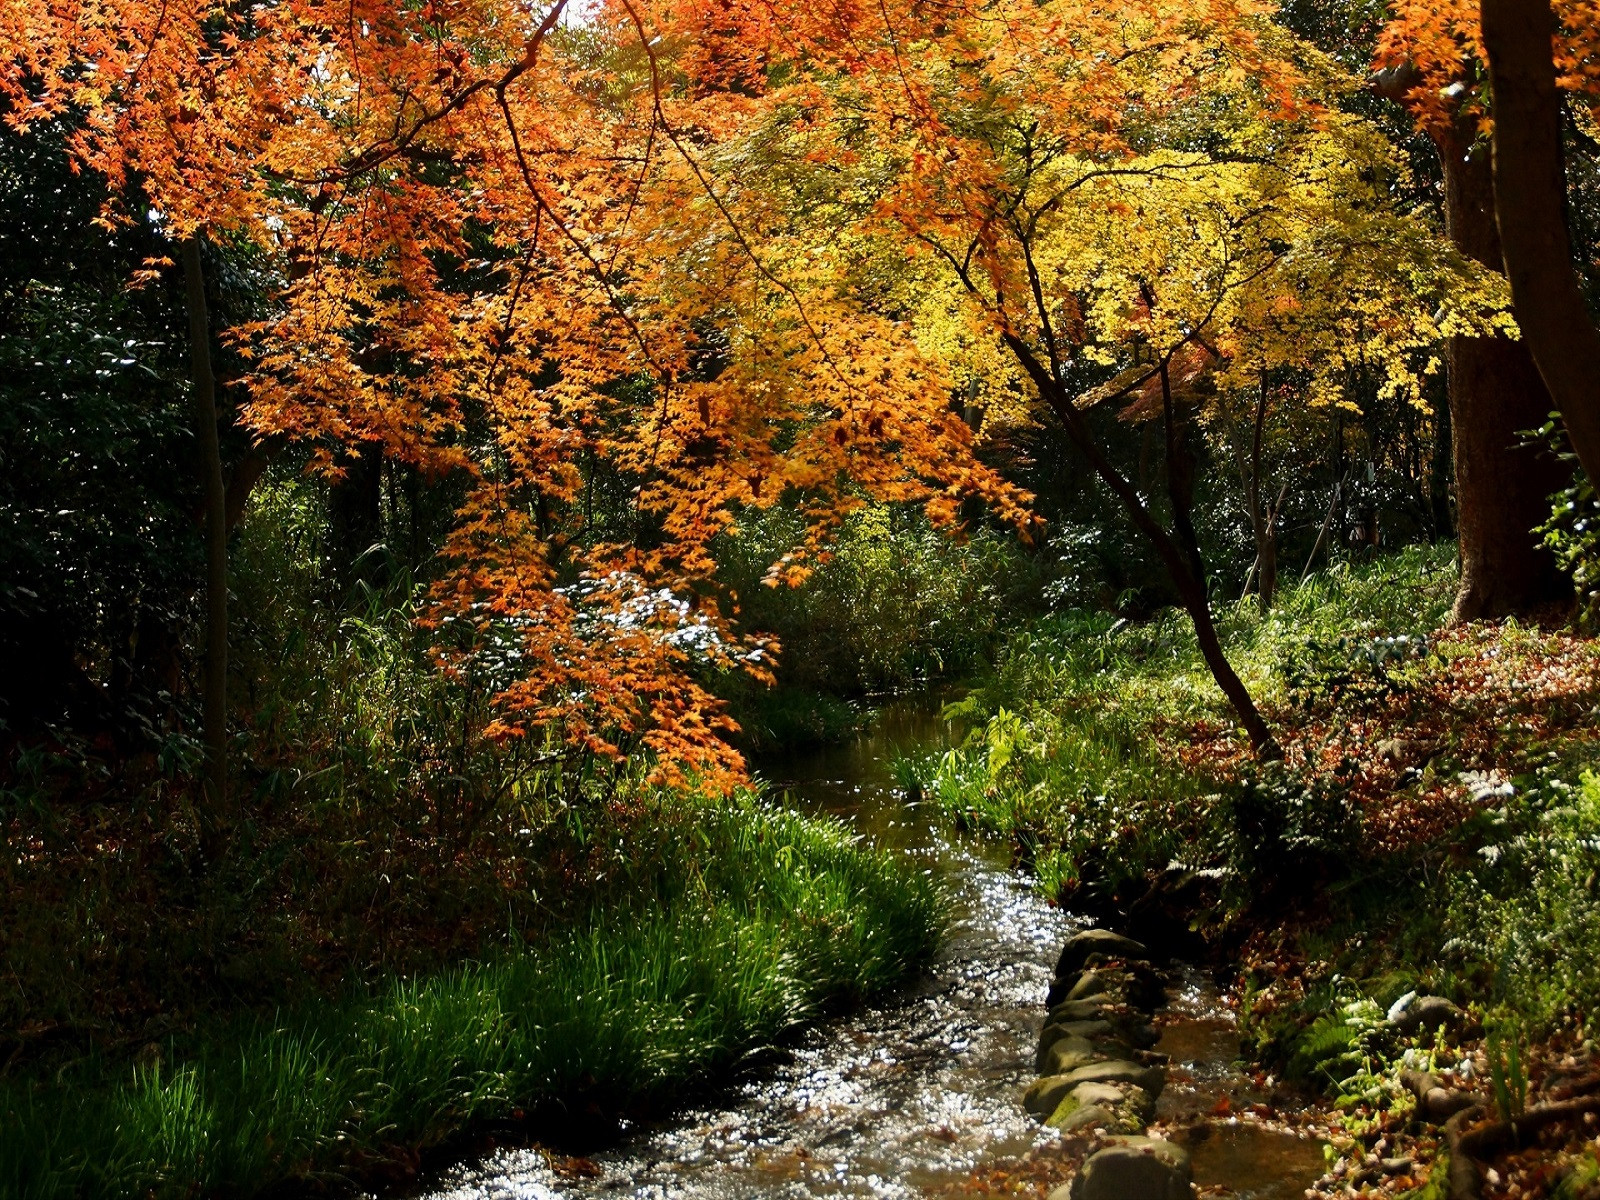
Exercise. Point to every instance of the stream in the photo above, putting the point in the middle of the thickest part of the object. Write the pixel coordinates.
(920, 1094)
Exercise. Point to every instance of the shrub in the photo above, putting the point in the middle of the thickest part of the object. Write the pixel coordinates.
(1103, 747)
(1284, 832)
(895, 604)
(1530, 905)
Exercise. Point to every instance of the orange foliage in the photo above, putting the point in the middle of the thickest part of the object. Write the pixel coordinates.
(1440, 45)
(495, 251)
(515, 241)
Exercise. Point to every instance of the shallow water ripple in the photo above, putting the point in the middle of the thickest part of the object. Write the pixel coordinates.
(883, 1103)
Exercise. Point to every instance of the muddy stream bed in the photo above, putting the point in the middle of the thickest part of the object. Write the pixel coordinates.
(921, 1094)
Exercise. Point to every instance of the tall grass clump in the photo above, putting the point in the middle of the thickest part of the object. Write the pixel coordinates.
(739, 922)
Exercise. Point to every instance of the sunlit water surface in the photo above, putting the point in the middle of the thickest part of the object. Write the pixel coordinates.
(917, 1092)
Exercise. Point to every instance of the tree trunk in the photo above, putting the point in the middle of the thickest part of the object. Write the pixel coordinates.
(215, 687)
(1530, 197)
(355, 505)
(1263, 521)
(1503, 487)
(1183, 564)
(1267, 560)
(247, 472)
(1444, 525)
(1197, 603)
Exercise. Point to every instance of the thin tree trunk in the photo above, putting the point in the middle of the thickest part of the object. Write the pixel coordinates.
(1444, 525)
(1530, 199)
(215, 687)
(1268, 553)
(1263, 524)
(1192, 584)
(1502, 485)
(1179, 565)
(1322, 534)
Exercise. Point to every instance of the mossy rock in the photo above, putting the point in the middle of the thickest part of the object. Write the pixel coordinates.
(1066, 1055)
(1092, 1009)
(1118, 1109)
(1075, 954)
(1150, 1079)
(1045, 1095)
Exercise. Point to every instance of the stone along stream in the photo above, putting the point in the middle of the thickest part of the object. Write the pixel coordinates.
(914, 1095)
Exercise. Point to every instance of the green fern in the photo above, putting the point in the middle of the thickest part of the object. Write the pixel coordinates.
(1325, 1044)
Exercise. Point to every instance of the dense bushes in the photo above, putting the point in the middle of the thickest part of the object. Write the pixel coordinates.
(1528, 903)
(377, 827)
(895, 604)
(381, 832)
(413, 928)
(1105, 748)
(98, 548)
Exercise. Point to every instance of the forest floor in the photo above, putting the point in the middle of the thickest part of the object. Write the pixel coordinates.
(1434, 832)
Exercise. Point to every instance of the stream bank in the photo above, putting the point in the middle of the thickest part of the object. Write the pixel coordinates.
(922, 1095)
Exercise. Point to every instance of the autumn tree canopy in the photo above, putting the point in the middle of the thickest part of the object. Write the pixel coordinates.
(744, 252)
(498, 253)
(1076, 207)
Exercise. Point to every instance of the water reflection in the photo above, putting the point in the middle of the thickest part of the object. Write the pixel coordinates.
(1245, 1135)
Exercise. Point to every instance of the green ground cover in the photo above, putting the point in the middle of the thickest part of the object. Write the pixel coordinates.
(724, 928)
(1433, 826)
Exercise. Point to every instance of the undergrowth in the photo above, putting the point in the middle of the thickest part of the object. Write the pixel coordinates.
(412, 929)
(1432, 825)
(893, 605)
(740, 921)
(1106, 750)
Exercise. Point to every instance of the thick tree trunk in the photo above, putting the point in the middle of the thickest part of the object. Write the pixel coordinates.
(1530, 198)
(215, 687)
(1502, 485)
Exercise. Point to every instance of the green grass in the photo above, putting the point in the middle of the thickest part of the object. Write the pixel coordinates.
(744, 921)
(1068, 755)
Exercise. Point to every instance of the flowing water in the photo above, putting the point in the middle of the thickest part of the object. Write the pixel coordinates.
(911, 1096)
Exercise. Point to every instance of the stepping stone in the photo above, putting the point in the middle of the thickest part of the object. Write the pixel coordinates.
(1132, 1168)
(1065, 1055)
(1123, 1109)
(1075, 954)
(1045, 1095)
(1151, 1079)
(1089, 1009)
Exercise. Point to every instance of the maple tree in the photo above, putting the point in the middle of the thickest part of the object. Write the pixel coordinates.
(742, 256)
(1150, 207)
(499, 255)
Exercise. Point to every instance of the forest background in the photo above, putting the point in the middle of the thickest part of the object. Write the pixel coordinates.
(445, 442)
